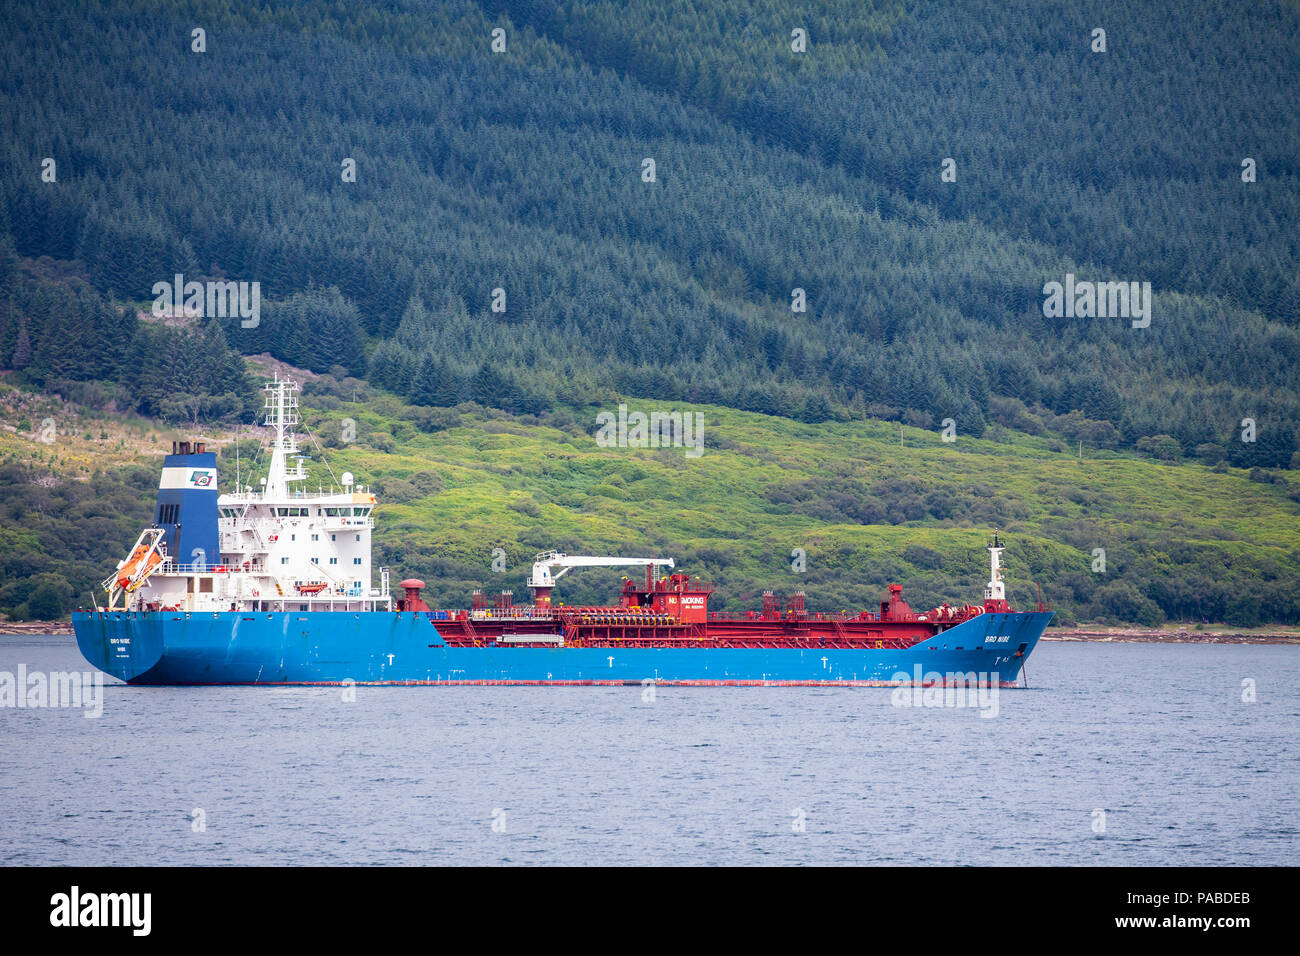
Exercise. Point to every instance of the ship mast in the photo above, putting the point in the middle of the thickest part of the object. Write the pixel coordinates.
(282, 415)
(995, 590)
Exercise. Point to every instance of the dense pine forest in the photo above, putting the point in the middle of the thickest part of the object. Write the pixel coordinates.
(833, 212)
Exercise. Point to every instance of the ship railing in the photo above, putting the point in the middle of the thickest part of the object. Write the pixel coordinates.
(257, 497)
(824, 617)
(266, 527)
(336, 521)
(496, 614)
(664, 586)
(326, 597)
(332, 493)
(172, 567)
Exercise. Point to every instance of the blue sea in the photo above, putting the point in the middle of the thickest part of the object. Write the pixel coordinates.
(1114, 754)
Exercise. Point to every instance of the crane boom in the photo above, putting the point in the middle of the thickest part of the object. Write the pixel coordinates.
(551, 565)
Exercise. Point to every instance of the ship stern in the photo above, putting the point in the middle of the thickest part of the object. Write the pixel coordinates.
(123, 644)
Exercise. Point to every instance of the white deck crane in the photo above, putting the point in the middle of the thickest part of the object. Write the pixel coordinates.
(549, 566)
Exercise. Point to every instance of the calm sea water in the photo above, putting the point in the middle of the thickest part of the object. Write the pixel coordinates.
(1156, 738)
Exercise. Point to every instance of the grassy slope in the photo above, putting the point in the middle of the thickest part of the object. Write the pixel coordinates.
(521, 485)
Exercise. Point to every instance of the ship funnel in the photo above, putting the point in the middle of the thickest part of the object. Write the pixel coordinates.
(187, 505)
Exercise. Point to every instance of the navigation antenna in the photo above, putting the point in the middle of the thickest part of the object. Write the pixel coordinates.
(996, 590)
(282, 415)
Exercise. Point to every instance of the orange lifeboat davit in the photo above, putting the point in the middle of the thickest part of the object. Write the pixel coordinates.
(128, 567)
(137, 568)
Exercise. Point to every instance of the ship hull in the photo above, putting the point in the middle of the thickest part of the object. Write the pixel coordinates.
(285, 648)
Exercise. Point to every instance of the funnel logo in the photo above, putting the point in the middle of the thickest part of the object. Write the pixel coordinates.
(201, 479)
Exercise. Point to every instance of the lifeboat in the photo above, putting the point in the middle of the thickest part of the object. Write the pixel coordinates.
(314, 587)
(139, 565)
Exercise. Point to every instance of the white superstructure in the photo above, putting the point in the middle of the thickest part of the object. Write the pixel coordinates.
(282, 548)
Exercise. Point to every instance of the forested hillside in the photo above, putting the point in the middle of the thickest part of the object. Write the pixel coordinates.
(775, 171)
(835, 213)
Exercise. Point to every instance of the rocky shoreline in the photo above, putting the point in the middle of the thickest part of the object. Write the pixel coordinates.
(35, 628)
(1131, 635)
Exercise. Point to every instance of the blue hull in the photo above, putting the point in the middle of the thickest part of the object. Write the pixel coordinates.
(324, 647)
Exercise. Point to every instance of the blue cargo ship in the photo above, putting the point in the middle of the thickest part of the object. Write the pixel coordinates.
(275, 586)
(370, 647)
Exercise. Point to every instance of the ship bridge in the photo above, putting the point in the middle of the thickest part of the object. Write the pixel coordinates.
(279, 547)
